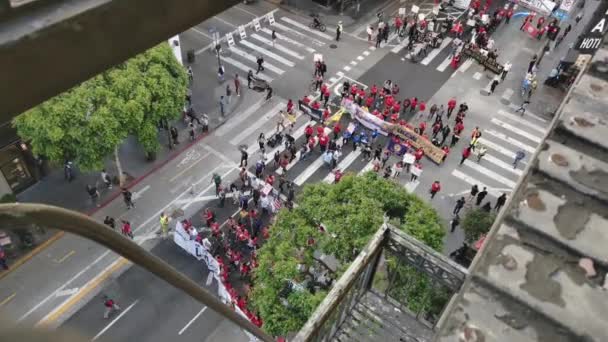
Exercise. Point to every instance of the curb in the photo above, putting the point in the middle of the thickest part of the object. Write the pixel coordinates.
(28, 256)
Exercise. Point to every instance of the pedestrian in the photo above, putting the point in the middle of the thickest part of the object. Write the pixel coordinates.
(459, 205)
(269, 93)
(398, 167)
(454, 223)
(445, 133)
(435, 188)
(126, 229)
(451, 106)
(222, 105)
(493, 86)
(249, 78)
(191, 131)
(220, 73)
(455, 138)
(128, 198)
(228, 94)
(105, 177)
(532, 63)
(244, 157)
(174, 135)
(190, 74)
(370, 32)
(3, 258)
(217, 180)
(481, 152)
(500, 201)
(237, 85)
(465, 154)
(378, 40)
(505, 70)
(416, 172)
(110, 306)
(323, 68)
(110, 222)
(578, 17)
(338, 30)
(164, 225)
(522, 107)
(519, 155)
(474, 190)
(568, 28)
(274, 37)
(260, 62)
(481, 195)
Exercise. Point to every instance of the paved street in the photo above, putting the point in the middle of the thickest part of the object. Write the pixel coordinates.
(76, 271)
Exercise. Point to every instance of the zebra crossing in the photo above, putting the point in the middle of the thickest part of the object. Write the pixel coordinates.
(506, 136)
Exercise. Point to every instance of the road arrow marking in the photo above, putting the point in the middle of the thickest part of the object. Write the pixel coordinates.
(66, 292)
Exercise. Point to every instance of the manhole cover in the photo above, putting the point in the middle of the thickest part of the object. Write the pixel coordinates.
(535, 203)
(333, 46)
(559, 160)
(582, 122)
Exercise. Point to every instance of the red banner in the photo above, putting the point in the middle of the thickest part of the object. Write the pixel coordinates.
(531, 30)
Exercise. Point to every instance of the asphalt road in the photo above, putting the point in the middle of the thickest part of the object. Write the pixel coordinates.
(67, 284)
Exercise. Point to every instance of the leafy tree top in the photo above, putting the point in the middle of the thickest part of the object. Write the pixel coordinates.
(351, 212)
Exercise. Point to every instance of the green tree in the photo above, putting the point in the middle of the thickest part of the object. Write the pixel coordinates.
(476, 223)
(291, 279)
(88, 122)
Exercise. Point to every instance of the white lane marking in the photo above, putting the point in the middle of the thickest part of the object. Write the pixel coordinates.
(253, 59)
(401, 45)
(368, 167)
(254, 147)
(288, 40)
(289, 166)
(306, 28)
(491, 174)
(114, 320)
(312, 168)
(202, 33)
(429, 58)
(254, 126)
(277, 46)
(268, 53)
(138, 194)
(360, 58)
(67, 292)
(528, 113)
(346, 68)
(366, 53)
(248, 12)
(506, 166)
(444, 64)
(472, 181)
(343, 165)
(298, 33)
(340, 74)
(496, 147)
(177, 175)
(477, 75)
(245, 68)
(466, 65)
(224, 21)
(372, 48)
(518, 119)
(510, 140)
(516, 130)
(411, 186)
(353, 63)
(233, 122)
(332, 80)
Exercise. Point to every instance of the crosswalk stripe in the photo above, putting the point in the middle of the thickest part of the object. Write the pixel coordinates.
(401, 45)
(510, 140)
(528, 113)
(312, 168)
(277, 46)
(466, 65)
(233, 122)
(346, 68)
(294, 162)
(366, 53)
(360, 58)
(298, 33)
(411, 186)
(268, 53)
(306, 28)
(288, 40)
(343, 165)
(429, 58)
(516, 130)
(472, 181)
(518, 119)
(245, 68)
(508, 167)
(491, 174)
(444, 64)
(497, 147)
(254, 147)
(254, 126)
(368, 167)
(251, 58)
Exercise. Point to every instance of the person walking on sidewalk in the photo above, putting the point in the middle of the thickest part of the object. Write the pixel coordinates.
(519, 155)
(127, 196)
(474, 191)
(466, 153)
(454, 223)
(93, 193)
(244, 157)
(174, 136)
(110, 306)
(435, 188)
(481, 195)
(237, 85)
(221, 103)
(532, 63)
(228, 94)
(105, 177)
(451, 106)
(339, 30)
(459, 205)
(3, 258)
(500, 201)
(164, 225)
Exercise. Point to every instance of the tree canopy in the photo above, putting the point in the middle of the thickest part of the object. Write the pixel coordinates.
(476, 223)
(86, 123)
(285, 291)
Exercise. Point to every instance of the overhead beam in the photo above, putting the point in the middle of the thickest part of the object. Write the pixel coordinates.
(53, 45)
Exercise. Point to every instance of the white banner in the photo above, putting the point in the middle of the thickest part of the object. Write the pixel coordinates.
(540, 6)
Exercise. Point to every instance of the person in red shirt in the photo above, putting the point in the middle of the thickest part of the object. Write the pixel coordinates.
(323, 88)
(398, 23)
(320, 130)
(215, 229)
(422, 127)
(540, 22)
(353, 90)
(451, 106)
(397, 107)
(435, 188)
(308, 131)
(284, 162)
(326, 114)
(436, 129)
(369, 101)
(374, 91)
(389, 101)
(406, 105)
(422, 106)
(458, 128)
(209, 217)
(541, 32)
(270, 178)
(323, 141)
(394, 117)
(466, 153)
(337, 130)
(446, 151)
(509, 15)
(289, 106)
(413, 104)
(326, 95)
(311, 143)
(316, 105)
(306, 100)
(361, 93)
(418, 154)
(126, 229)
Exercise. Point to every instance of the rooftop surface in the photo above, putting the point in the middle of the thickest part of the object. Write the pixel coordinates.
(542, 274)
